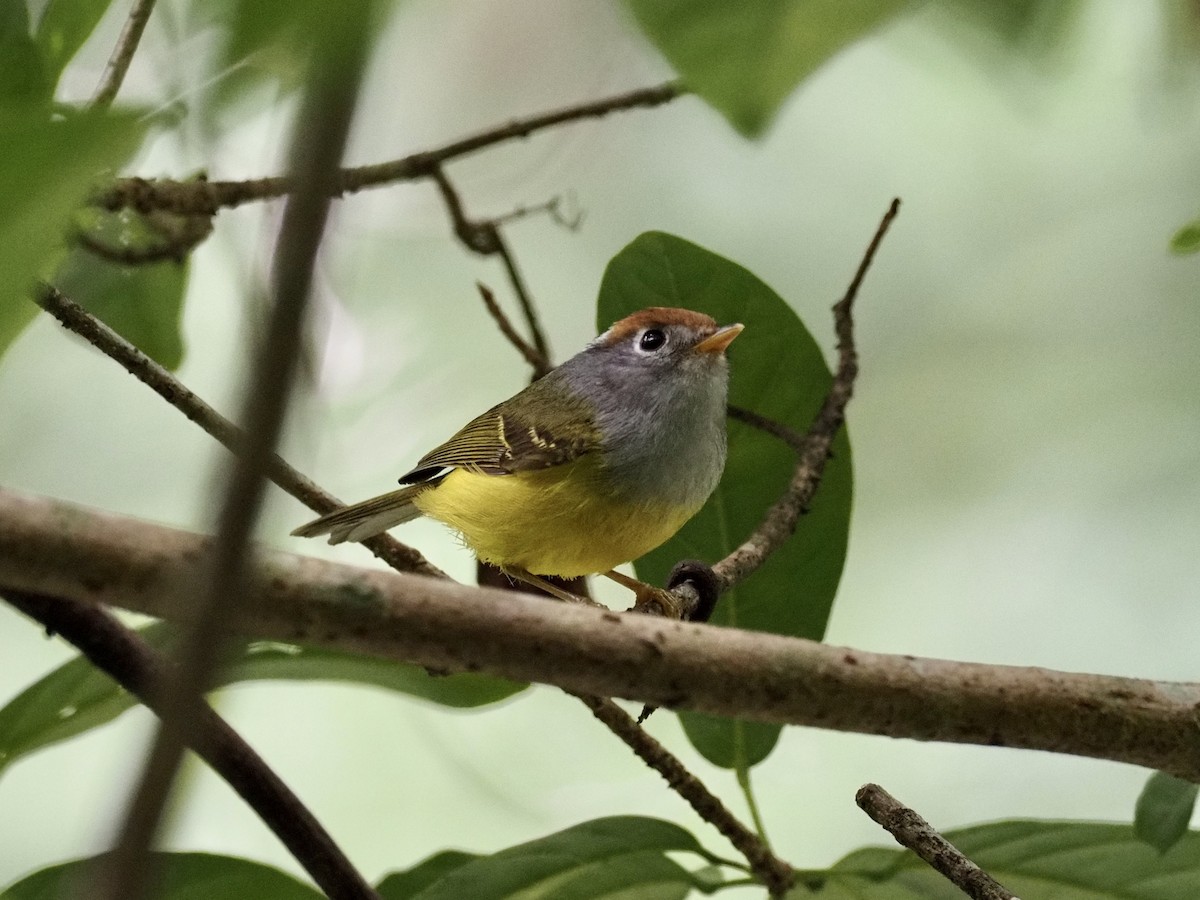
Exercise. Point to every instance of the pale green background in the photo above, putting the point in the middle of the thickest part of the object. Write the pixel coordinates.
(1026, 427)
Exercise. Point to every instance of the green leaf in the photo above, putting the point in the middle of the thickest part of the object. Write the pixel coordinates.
(46, 170)
(1164, 810)
(615, 857)
(776, 369)
(403, 885)
(77, 697)
(1187, 239)
(23, 80)
(1063, 860)
(745, 58)
(177, 876)
(64, 27)
(143, 303)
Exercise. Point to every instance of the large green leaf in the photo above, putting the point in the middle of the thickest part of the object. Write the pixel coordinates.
(745, 58)
(1164, 810)
(46, 169)
(1059, 860)
(777, 370)
(403, 885)
(177, 876)
(622, 856)
(63, 28)
(77, 697)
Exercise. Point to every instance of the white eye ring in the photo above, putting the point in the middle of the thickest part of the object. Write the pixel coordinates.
(652, 339)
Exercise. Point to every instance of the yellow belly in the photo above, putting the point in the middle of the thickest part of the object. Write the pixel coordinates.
(556, 521)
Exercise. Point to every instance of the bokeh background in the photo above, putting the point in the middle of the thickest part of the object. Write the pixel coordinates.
(1026, 428)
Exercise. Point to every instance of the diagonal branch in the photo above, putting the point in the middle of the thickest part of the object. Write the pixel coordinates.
(75, 318)
(122, 55)
(132, 663)
(206, 197)
(780, 521)
(54, 548)
(913, 832)
(776, 874)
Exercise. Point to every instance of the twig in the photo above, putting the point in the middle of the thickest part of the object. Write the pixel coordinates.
(785, 433)
(776, 874)
(552, 207)
(63, 550)
(122, 55)
(75, 318)
(484, 237)
(202, 196)
(780, 521)
(318, 142)
(913, 832)
(132, 663)
(537, 362)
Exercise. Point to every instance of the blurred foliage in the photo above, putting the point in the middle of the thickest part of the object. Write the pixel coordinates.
(1187, 239)
(178, 876)
(77, 697)
(1163, 810)
(746, 58)
(1063, 860)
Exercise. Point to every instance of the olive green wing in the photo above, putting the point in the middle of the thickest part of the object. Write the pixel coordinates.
(540, 427)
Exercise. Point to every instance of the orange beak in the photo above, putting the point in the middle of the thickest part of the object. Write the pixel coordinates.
(720, 339)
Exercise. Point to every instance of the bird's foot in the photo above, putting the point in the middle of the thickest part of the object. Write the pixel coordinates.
(651, 600)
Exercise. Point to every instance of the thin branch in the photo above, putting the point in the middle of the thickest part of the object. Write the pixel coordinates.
(122, 55)
(776, 874)
(317, 145)
(206, 197)
(780, 521)
(913, 832)
(537, 362)
(58, 549)
(131, 662)
(785, 433)
(76, 319)
(484, 237)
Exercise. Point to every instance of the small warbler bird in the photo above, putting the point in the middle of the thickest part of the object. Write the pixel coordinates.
(591, 466)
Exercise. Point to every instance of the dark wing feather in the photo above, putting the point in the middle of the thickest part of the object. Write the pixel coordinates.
(503, 440)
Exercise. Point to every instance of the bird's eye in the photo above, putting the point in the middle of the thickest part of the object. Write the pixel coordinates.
(652, 339)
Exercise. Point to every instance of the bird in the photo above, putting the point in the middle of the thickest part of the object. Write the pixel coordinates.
(598, 462)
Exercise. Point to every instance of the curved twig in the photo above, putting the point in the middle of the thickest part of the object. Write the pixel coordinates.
(122, 55)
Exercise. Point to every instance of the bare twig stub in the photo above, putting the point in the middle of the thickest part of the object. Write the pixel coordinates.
(75, 318)
(137, 667)
(529, 353)
(319, 139)
(58, 549)
(776, 874)
(122, 55)
(780, 521)
(913, 832)
(202, 196)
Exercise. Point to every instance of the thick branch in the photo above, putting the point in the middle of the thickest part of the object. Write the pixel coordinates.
(53, 548)
(206, 197)
(130, 661)
(913, 832)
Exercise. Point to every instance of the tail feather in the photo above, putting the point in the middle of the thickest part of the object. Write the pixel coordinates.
(360, 521)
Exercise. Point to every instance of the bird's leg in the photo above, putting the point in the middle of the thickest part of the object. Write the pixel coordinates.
(651, 599)
(552, 589)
